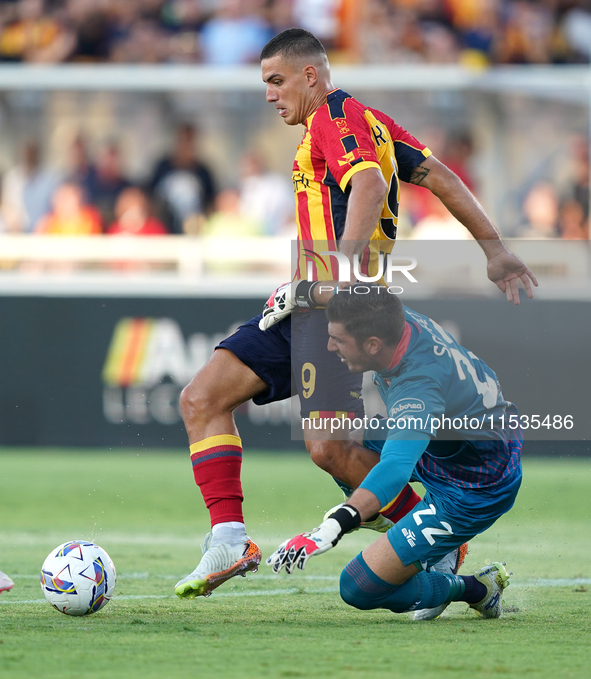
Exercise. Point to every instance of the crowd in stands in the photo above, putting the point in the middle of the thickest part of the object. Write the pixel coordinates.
(181, 196)
(477, 32)
(547, 209)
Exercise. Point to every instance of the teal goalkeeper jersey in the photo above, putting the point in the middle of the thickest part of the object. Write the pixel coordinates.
(445, 424)
(435, 386)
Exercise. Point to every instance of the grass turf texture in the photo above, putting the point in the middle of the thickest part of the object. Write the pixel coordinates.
(144, 509)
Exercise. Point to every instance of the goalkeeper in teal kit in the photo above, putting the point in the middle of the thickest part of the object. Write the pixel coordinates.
(444, 429)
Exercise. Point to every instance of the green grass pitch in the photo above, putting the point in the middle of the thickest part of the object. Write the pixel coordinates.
(144, 509)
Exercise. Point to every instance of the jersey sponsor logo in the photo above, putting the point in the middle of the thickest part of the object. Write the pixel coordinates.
(300, 182)
(348, 158)
(406, 406)
(378, 135)
(342, 125)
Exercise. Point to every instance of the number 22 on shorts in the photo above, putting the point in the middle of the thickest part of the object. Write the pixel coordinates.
(429, 531)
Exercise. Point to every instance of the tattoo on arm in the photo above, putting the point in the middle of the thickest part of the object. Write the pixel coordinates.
(418, 174)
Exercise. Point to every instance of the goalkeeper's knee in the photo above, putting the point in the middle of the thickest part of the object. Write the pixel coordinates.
(362, 588)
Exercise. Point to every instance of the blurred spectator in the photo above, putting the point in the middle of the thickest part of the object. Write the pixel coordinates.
(183, 185)
(143, 43)
(82, 170)
(439, 223)
(27, 189)
(265, 197)
(280, 15)
(581, 178)
(70, 215)
(228, 221)
(440, 45)
(235, 35)
(527, 35)
(321, 17)
(577, 31)
(572, 223)
(133, 216)
(106, 182)
(385, 35)
(93, 29)
(478, 25)
(32, 34)
(540, 208)
(458, 150)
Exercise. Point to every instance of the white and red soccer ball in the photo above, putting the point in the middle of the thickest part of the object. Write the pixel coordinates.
(78, 578)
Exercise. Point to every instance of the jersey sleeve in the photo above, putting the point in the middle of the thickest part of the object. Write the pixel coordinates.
(408, 150)
(397, 462)
(345, 143)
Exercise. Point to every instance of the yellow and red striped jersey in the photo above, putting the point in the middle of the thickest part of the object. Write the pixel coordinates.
(341, 138)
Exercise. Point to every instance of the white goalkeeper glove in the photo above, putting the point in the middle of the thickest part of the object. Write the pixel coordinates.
(298, 550)
(286, 298)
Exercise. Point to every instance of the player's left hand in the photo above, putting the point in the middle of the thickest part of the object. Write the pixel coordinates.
(506, 270)
(298, 550)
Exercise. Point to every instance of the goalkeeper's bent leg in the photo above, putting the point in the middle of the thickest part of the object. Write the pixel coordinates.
(362, 588)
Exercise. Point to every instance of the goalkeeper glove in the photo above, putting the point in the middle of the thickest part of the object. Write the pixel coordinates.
(298, 550)
(287, 296)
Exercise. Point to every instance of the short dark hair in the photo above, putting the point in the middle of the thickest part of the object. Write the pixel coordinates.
(293, 43)
(368, 311)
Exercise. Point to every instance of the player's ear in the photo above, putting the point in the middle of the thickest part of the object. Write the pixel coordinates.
(311, 74)
(373, 345)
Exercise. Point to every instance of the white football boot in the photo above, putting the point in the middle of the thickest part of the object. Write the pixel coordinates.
(495, 578)
(449, 565)
(5, 582)
(220, 562)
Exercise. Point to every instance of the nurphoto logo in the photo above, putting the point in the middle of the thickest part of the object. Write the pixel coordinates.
(385, 269)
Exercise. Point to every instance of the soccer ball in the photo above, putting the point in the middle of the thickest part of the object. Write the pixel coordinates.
(78, 578)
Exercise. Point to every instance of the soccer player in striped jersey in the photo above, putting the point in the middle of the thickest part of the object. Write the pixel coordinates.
(346, 180)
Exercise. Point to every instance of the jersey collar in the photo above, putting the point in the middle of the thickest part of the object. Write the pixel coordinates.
(400, 349)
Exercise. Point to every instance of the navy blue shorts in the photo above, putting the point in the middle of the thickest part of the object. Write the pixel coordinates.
(292, 357)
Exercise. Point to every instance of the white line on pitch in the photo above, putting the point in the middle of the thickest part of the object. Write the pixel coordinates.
(254, 592)
(541, 582)
(145, 576)
(515, 582)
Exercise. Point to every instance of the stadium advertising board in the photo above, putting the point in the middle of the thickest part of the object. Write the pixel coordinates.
(93, 371)
(105, 371)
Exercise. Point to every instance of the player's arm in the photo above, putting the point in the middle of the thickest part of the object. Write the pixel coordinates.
(503, 267)
(383, 483)
(364, 208)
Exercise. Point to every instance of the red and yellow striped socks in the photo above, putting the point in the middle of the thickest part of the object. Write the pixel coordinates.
(216, 466)
(401, 505)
